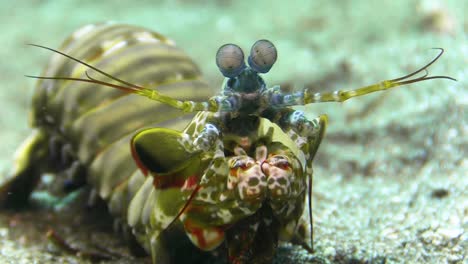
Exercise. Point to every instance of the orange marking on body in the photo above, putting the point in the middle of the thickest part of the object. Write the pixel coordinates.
(175, 181)
(137, 160)
(190, 183)
(233, 171)
(199, 235)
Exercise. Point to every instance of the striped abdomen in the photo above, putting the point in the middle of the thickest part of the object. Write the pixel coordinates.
(83, 126)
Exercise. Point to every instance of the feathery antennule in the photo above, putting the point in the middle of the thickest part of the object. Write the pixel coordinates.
(87, 65)
(186, 106)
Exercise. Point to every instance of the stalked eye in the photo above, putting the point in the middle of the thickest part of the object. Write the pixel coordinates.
(262, 56)
(230, 60)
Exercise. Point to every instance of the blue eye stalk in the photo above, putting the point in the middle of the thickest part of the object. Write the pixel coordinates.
(245, 85)
(263, 55)
(230, 58)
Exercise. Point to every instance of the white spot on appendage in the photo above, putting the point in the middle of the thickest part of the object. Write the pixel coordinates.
(352, 93)
(170, 42)
(225, 215)
(178, 76)
(317, 97)
(185, 140)
(336, 95)
(210, 235)
(162, 219)
(244, 210)
(49, 119)
(83, 31)
(145, 37)
(115, 47)
(222, 197)
(207, 191)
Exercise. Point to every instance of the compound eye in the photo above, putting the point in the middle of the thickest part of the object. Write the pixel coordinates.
(262, 56)
(230, 60)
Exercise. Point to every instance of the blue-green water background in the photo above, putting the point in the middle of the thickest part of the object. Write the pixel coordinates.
(383, 155)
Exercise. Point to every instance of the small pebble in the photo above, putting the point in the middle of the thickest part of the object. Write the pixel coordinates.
(450, 233)
(3, 232)
(329, 252)
(439, 193)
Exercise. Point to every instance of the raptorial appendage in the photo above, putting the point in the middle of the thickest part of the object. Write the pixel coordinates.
(264, 182)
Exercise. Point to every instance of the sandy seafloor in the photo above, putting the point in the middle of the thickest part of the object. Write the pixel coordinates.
(391, 181)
